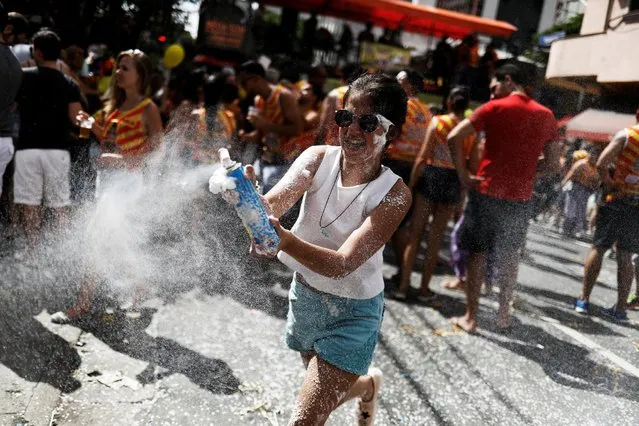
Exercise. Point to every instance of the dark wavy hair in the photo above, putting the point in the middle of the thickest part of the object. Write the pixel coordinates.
(387, 97)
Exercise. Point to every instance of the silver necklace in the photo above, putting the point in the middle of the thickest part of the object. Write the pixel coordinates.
(323, 227)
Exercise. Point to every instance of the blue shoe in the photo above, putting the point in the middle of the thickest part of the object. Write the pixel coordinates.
(582, 306)
(613, 314)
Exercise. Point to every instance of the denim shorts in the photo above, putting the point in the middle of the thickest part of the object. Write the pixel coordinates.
(341, 331)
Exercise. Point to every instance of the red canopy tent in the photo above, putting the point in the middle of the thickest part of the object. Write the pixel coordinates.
(413, 17)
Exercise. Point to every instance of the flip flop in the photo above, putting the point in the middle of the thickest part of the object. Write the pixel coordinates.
(398, 295)
(428, 300)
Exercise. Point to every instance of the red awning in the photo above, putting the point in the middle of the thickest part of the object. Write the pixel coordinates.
(391, 13)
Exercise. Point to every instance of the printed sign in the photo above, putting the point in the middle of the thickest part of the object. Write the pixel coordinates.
(383, 57)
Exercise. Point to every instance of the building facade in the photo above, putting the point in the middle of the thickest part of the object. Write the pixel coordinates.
(604, 58)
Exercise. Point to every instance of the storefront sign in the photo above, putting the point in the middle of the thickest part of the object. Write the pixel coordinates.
(383, 57)
(224, 35)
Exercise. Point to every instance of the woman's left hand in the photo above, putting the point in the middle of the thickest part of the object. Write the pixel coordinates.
(284, 234)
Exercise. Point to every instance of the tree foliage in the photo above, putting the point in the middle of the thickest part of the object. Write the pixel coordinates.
(539, 55)
(120, 24)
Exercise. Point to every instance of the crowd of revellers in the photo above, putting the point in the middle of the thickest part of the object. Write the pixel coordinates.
(365, 164)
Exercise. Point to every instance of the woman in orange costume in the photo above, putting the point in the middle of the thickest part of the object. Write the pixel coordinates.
(436, 192)
(128, 128)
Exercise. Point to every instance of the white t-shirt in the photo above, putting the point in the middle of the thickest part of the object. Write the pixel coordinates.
(367, 280)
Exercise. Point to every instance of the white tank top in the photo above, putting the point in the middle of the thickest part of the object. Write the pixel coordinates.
(367, 280)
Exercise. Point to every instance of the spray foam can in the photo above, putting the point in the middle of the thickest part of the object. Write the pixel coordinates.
(250, 209)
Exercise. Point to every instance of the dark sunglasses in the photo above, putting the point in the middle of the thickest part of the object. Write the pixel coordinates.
(367, 122)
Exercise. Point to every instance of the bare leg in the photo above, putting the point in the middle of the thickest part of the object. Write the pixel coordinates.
(592, 267)
(83, 303)
(506, 280)
(624, 279)
(476, 271)
(60, 218)
(400, 241)
(324, 388)
(441, 215)
(31, 222)
(418, 220)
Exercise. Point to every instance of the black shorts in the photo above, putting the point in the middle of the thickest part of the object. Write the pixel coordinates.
(617, 222)
(439, 185)
(492, 223)
(400, 168)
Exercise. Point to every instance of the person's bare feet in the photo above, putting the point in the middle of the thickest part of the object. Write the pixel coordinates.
(455, 284)
(72, 314)
(466, 324)
(503, 321)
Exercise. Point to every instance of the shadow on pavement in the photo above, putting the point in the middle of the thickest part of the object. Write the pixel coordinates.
(442, 368)
(35, 353)
(559, 259)
(546, 242)
(567, 315)
(128, 336)
(565, 363)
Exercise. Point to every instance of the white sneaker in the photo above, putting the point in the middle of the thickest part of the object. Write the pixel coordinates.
(366, 409)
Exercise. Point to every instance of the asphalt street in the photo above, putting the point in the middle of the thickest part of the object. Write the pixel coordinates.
(211, 352)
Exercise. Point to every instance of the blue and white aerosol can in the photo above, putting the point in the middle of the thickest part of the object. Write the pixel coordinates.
(250, 209)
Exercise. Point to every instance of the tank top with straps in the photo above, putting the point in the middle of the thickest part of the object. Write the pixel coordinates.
(130, 135)
(271, 110)
(626, 176)
(406, 147)
(208, 142)
(332, 135)
(330, 213)
(442, 156)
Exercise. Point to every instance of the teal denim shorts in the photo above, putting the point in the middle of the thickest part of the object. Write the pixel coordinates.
(341, 331)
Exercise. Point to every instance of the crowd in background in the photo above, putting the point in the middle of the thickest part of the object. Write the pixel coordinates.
(265, 116)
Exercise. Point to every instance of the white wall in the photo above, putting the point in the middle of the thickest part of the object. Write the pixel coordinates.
(432, 3)
(548, 13)
(490, 9)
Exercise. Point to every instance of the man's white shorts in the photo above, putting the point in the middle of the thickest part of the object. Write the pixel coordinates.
(6, 154)
(42, 177)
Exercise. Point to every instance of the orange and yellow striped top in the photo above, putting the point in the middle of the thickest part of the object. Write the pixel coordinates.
(442, 156)
(406, 147)
(332, 135)
(207, 143)
(270, 109)
(131, 136)
(626, 176)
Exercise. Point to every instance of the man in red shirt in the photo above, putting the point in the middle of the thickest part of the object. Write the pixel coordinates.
(517, 130)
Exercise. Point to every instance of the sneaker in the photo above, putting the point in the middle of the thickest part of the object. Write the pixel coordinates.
(366, 409)
(633, 302)
(615, 315)
(582, 306)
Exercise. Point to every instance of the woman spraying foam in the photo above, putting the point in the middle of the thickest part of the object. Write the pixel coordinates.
(351, 207)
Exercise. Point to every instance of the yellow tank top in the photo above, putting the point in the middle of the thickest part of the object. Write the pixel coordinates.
(626, 175)
(406, 147)
(271, 111)
(208, 143)
(130, 133)
(442, 156)
(332, 135)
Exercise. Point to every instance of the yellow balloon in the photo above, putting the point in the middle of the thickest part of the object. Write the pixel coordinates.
(173, 56)
(103, 84)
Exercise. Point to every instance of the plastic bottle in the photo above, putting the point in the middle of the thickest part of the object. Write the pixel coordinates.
(250, 209)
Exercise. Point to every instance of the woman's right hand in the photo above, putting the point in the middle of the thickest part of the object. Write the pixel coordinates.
(96, 128)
